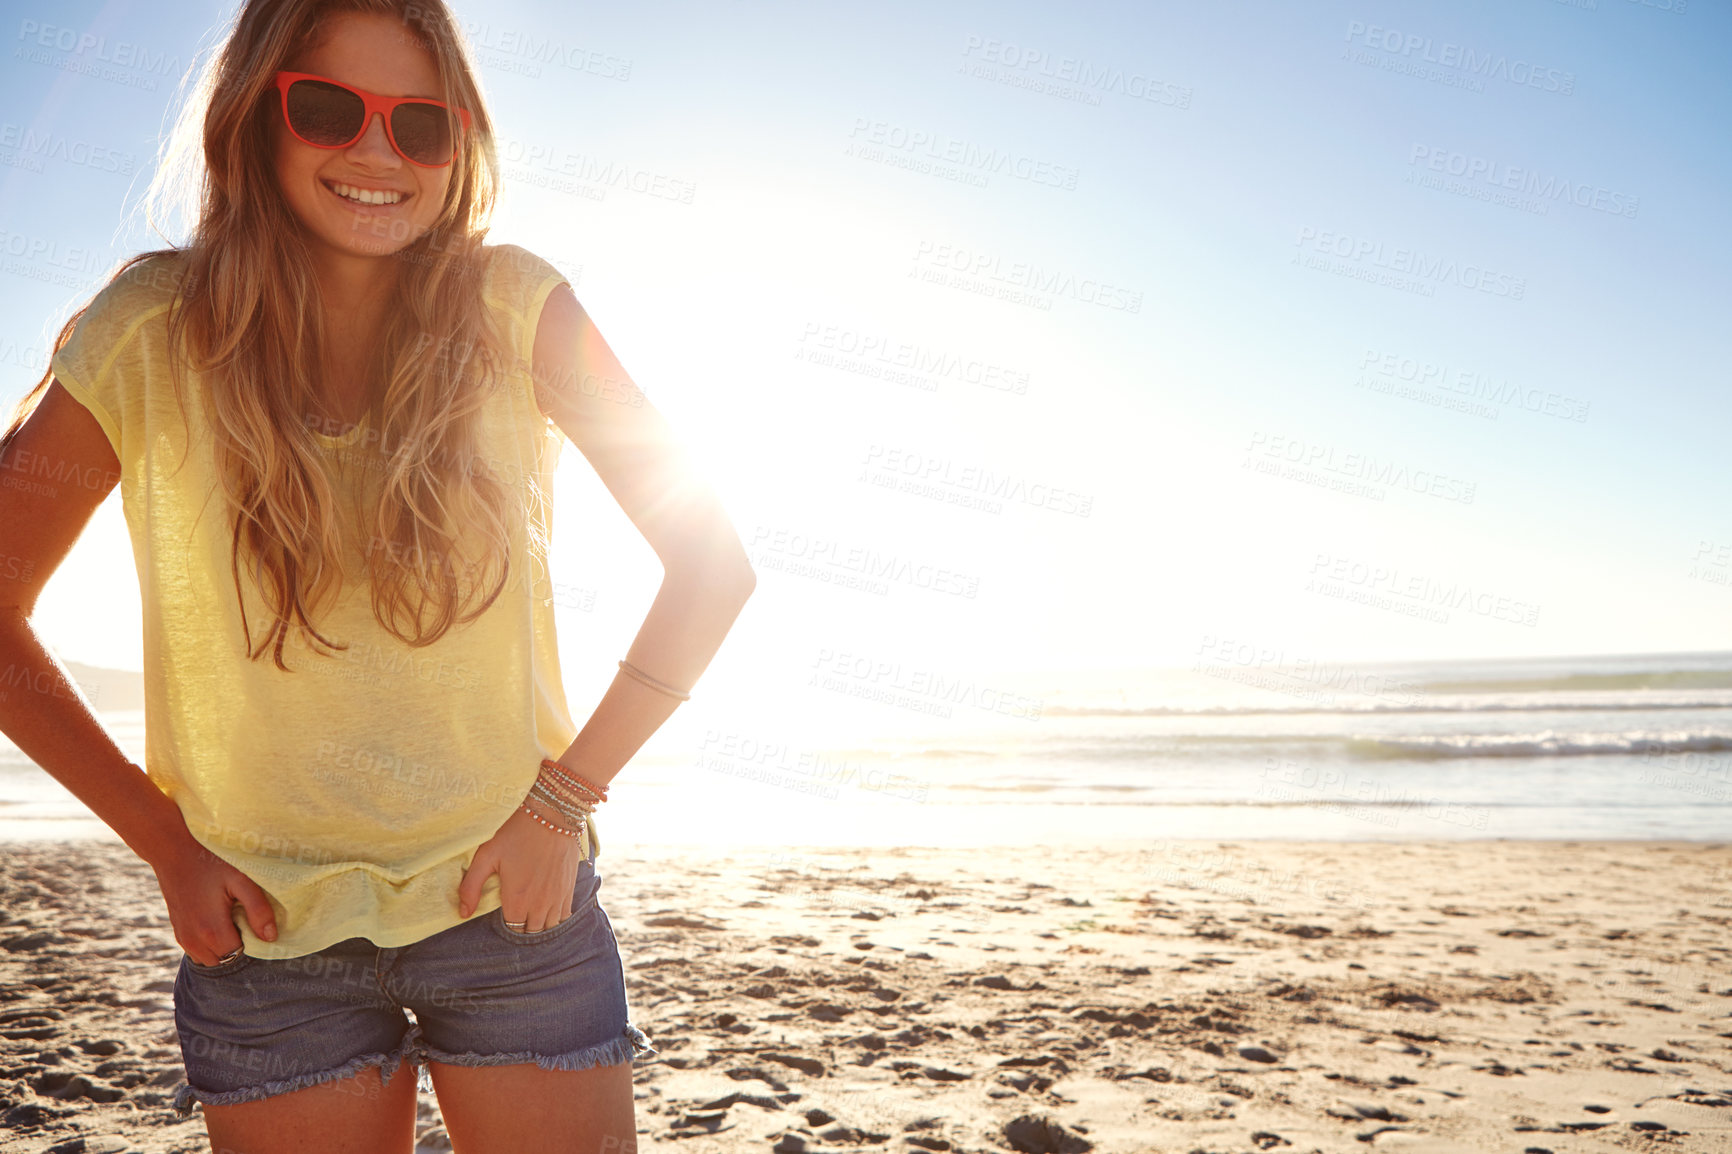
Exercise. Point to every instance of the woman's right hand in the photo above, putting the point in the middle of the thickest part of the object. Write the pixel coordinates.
(200, 890)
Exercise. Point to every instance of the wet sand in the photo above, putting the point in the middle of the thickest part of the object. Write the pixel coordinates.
(1201, 996)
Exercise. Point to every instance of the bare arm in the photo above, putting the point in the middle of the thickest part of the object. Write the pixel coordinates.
(706, 575)
(706, 579)
(41, 707)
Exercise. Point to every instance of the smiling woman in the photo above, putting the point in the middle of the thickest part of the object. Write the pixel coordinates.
(345, 171)
(337, 411)
(325, 113)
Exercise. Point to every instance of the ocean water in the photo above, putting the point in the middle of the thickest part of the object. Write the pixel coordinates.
(1239, 745)
(1246, 744)
(1251, 744)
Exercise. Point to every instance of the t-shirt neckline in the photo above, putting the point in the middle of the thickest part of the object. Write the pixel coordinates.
(345, 438)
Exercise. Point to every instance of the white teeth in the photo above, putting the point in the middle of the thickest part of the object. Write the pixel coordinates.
(365, 196)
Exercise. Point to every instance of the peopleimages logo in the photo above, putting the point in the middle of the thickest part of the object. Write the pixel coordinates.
(826, 559)
(1410, 263)
(56, 146)
(1484, 65)
(1090, 78)
(939, 259)
(531, 47)
(1385, 585)
(1361, 474)
(887, 142)
(837, 346)
(926, 690)
(563, 170)
(90, 47)
(1473, 385)
(1525, 180)
(971, 485)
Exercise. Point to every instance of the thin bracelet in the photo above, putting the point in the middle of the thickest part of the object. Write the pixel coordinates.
(569, 833)
(569, 812)
(559, 769)
(567, 802)
(658, 686)
(599, 792)
(532, 813)
(565, 797)
(560, 789)
(566, 805)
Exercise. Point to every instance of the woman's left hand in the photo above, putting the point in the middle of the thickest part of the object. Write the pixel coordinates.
(537, 872)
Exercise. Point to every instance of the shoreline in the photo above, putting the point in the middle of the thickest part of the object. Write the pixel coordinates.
(1123, 829)
(1207, 994)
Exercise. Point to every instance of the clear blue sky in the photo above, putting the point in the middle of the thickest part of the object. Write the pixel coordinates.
(743, 197)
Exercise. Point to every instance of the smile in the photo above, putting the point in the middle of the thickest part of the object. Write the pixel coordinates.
(366, 197)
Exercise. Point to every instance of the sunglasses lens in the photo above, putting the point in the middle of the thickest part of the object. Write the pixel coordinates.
(324, 114)
(424, 133)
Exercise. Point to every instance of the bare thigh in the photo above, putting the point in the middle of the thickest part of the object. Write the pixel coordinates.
(355, 1115)
(510, 1109)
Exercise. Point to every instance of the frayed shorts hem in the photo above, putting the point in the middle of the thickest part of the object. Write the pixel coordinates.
(410, 1048)
(631, 1046)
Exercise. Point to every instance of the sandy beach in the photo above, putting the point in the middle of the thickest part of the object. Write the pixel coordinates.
(1179, 996)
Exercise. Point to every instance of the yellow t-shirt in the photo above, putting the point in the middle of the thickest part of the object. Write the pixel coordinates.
(355, 789)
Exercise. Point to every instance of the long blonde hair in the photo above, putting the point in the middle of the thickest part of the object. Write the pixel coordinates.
(247, 312)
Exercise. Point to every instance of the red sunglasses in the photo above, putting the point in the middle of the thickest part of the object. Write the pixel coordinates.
(327, 113)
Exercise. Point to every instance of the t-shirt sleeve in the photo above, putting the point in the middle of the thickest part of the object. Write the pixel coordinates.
(102, 363)
(523, 281)
(527, 281)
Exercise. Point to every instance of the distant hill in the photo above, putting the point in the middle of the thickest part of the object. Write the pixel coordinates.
(108, 688)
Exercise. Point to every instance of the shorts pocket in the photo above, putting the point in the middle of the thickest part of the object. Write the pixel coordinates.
(583, 906)
(497, 920)
(217, 971)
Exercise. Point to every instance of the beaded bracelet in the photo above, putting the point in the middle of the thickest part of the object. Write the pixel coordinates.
(572, 780)
(563, 787)
(555, 814)
(578, 832)
(565, 790)
(576, 798)
(599, 792)
(569, 812)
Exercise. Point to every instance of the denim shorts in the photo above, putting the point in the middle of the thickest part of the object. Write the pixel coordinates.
(481, 995)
